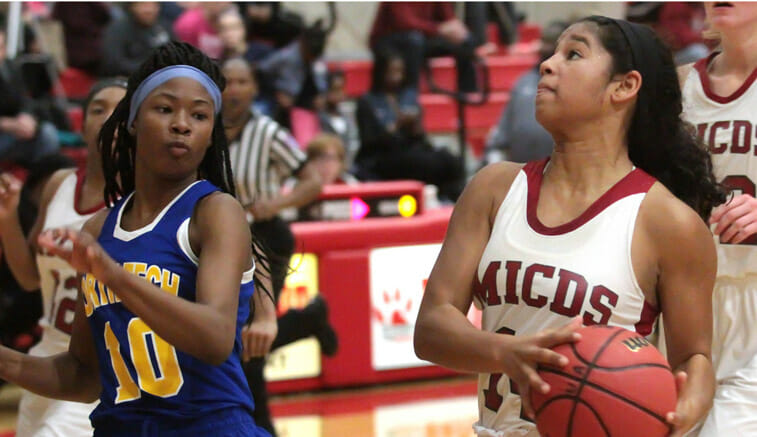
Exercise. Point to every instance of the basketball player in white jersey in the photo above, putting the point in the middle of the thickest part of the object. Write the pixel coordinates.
(69, 199)
(720, 99)
(609, 230)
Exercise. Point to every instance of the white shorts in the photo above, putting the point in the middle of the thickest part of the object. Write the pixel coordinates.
(734, 358)
(44, 417)
(482, 431)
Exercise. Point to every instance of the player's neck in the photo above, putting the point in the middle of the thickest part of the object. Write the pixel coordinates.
(148, 201)
(588, 166)
(739, 54)
(91, 193)
(93, 174)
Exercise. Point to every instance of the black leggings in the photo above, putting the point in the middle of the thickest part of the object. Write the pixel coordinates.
(293, 325)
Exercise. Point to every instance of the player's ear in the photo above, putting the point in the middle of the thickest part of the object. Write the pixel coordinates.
(627, 87)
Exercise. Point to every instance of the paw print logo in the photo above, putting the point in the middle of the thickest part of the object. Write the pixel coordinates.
(393, 312)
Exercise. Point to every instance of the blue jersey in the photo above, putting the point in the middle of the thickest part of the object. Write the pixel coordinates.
(143, 377)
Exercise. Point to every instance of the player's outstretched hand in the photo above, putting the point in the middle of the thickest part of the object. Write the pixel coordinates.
(735, 220)
(10, 194)
(526, 352)
(257, 338)
(80, 250)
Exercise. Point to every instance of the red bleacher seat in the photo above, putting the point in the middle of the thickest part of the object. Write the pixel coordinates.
(357, 76)
(503, 72)
(440, 112)
(76, 117)
(529, 32)
(76, 83)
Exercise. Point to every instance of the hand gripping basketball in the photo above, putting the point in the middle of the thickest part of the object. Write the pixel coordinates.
(526, 352)
(616, 385)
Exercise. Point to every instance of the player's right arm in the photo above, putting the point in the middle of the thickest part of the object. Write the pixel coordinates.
(443, 333)
(18, 250)
(71, 375)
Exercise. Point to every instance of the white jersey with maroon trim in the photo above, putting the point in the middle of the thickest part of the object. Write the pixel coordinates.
(533, 277)
(58, 281)
(728, 125)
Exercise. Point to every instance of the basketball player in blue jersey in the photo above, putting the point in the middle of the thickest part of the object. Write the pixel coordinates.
(609, 230)
(167, 269)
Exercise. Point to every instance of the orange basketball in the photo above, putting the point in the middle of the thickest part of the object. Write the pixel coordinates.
(616, 384)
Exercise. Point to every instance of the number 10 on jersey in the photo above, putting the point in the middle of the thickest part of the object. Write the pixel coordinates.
(160, 377)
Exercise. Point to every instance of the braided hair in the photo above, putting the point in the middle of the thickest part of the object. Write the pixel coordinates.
(118, 157)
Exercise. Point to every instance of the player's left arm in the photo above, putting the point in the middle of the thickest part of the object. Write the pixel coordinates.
(259, 334)
(205, 328)
(687, 265)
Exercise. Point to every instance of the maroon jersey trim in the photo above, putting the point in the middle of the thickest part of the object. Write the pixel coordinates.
(648, 316)
(701, 67)
(80, 173)
(637, 181)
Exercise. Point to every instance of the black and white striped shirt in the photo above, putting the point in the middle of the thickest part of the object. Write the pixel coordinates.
(262, 157)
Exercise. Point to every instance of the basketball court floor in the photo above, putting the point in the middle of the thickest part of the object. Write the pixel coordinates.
(432, 408)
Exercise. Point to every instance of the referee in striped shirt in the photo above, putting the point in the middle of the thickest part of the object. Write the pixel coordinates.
(263, 154)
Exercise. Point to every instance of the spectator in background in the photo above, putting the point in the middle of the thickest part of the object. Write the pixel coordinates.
(295, 76)
(518, 137)
(679, 24)
(129, 40)
(169, 13)
(424, 30)
(478, 15)
(334, 119)
(23, 139)
(393, 143)
(83, 27)
(327, 154)
(233, 36)
(269, 24)
(197, 26)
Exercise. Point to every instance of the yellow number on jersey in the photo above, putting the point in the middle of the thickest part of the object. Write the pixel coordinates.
(126, 390)
(170, 380)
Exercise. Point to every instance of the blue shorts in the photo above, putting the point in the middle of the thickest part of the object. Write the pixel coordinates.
(233, 422)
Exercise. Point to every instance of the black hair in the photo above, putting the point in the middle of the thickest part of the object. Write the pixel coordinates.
(660, 142)
(314, 38)
(250, 65)
(118, 156)
(116, 82)
(381, 60)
